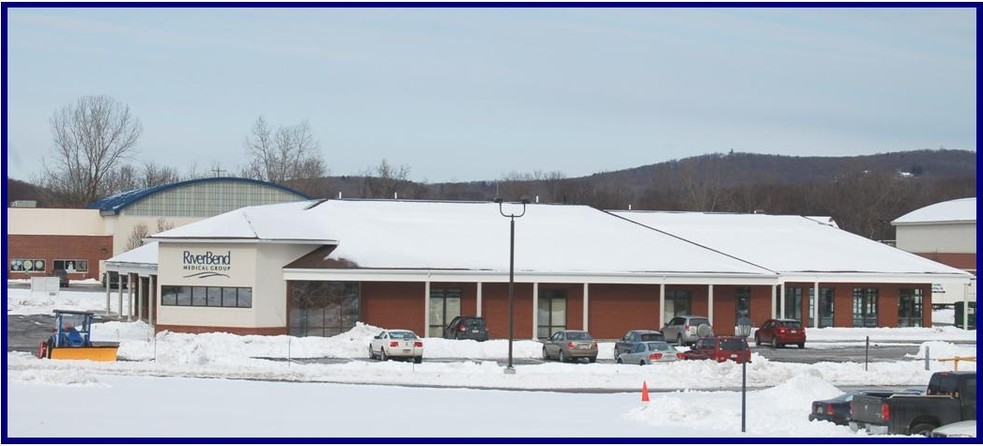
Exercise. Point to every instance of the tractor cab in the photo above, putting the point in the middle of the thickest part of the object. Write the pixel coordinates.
(72, 339)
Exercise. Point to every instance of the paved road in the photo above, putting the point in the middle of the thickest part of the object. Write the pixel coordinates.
(24, 333)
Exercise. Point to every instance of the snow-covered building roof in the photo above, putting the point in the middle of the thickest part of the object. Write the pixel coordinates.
(138, 260)
(962, 210)
(791, 245)
(473, 236)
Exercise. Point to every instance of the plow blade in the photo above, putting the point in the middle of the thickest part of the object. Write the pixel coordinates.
(95, 353)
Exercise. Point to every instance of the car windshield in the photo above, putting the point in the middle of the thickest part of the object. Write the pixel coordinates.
(578, 336)
(652, 337)
(731, 344)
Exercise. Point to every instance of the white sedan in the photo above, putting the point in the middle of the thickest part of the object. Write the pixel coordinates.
(396, 344)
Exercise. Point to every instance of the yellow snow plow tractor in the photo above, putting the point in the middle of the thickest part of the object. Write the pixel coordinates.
(72, 339)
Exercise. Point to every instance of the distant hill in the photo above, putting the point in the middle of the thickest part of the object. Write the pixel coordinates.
(862, 193)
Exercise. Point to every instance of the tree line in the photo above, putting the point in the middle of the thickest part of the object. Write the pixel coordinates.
(95, 152)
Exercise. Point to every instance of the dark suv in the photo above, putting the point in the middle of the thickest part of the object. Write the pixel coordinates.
(466, 327)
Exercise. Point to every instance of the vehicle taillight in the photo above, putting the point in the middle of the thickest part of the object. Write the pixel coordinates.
(885, 412)
(462, 328)
(686, 327)
(782, 330)
(655, 356)
(394, 344)
(571, 345)
(829, 409)
(418, 344)
(680, 356)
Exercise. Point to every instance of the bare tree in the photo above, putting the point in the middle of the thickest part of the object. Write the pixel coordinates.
(140, 232)
(288, 155)
(92, 137)
(386, 181)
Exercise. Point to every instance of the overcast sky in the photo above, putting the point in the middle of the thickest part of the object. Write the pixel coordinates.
(474, 94)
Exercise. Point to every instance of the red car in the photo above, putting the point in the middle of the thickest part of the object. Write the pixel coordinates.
(720, 349)
(779, 332)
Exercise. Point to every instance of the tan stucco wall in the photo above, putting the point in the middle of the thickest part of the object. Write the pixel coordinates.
(50, 221)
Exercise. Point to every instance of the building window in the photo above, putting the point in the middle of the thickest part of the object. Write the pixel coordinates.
(865, 307)
(679, 303)
(793, 303)
(910, 307)
(199, 296)
(552, 314)
(27, 265)
(71, 265)
(743, 303)
(825, 306)
(322, 308)
(445, 303)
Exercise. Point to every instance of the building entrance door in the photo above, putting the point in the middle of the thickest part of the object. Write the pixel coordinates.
(445, 304)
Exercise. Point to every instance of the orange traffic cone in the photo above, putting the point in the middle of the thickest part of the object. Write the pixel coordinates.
(645, 392)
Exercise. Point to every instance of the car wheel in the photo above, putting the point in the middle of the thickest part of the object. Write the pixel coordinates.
(620, 361)
(757, 340)
(592, 359)
(418, 360)
(642, 362)
(774, 343)
(382, 354)
(546, 356)
(679, 340)
(563, 357)
(922, 429)
(802, 345)
(371, 354)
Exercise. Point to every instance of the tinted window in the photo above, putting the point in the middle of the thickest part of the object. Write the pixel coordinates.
(652, 337)
(792, 324)
(732, 344)
(659, 347)
(474, 323)
(699, 321)
(578, 336)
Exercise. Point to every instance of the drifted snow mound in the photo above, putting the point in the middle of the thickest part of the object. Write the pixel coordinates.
(58, 377)
(777, 411)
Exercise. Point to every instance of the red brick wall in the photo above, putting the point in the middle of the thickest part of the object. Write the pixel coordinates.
(62, 247)
(615, 309)
(469, 295)
(965, 261)
(889, 295)
(394, 305)
(495, 303)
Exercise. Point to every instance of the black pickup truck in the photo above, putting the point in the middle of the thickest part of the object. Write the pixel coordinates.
(950, 397)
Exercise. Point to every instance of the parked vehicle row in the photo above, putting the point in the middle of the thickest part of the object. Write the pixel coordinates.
(639, 346)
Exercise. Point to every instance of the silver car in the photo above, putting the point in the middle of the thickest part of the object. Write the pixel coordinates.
(685, 330)
(570, 345)
(644, 353)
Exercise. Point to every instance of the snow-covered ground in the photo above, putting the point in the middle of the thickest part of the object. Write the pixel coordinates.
(247, 386)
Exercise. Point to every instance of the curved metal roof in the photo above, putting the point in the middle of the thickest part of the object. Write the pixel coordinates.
(112, 205)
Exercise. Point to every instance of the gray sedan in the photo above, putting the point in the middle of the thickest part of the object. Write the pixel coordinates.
(570, 345)
(644, 353)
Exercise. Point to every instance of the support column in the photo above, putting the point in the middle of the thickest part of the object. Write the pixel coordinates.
(662, 303)
(710, 303)
(107, 292)
(139, 298)
(426, 308)
(774, 302)
(123, 280)
(478, 310)
(152, 302)
(586, 306)
(535, 310)
(129, 298)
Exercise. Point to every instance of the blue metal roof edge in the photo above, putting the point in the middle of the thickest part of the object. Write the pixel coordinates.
(112, 205)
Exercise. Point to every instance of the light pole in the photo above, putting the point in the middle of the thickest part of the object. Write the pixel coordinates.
(510, 370)
(744, 330)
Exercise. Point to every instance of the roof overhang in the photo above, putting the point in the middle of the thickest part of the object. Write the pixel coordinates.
(246, 240)
(861, 277)
(434, 275)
